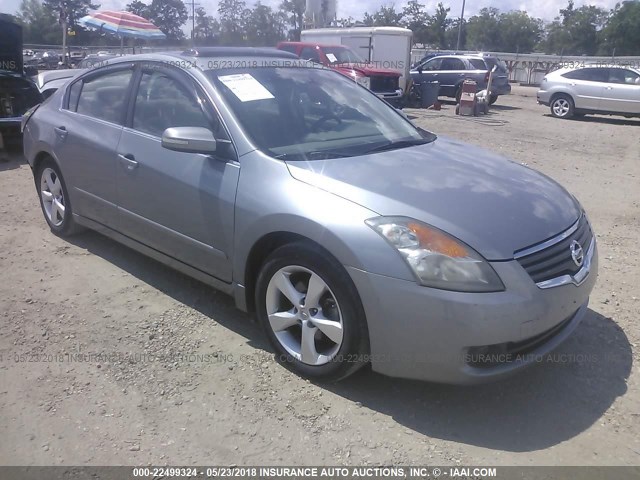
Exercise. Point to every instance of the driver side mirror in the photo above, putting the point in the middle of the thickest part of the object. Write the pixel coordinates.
(189, 140)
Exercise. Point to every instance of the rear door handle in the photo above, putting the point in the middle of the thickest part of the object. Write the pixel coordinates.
(61, 132)
(128, 161)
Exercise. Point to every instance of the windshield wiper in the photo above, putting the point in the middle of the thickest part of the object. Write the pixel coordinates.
(316, 155)
(398, 144)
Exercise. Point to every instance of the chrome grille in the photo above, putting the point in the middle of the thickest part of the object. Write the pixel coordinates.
(552, 261)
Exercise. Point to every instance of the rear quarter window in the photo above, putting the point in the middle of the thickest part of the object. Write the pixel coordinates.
(478, 64)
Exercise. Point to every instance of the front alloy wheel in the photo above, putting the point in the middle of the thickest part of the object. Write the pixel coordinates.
(311, 312)
(304, 315)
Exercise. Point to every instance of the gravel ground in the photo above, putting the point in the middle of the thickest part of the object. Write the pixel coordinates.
(107, 357)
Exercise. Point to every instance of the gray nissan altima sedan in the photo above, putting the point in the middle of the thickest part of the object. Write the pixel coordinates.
(354, 236)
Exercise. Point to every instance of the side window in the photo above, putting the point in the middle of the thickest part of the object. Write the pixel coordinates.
(74, 95)
(589, 74)
(162, 102)
(103, 97)
(452, 64)
(433, 64)
(622, 75)
(309, 53)
(478, 64)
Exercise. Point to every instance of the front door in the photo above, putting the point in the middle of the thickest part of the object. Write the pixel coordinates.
(181, 204)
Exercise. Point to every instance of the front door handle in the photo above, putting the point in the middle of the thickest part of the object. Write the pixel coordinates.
(128, 161)
(61, 132)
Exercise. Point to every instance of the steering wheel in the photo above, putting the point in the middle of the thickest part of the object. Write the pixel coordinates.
(315, 126)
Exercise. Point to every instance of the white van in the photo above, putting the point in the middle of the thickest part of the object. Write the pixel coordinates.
(384, 47)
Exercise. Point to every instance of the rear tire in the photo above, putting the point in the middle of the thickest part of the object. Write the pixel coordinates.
(54, 199)
(492, 99)
(562, 106)
(311, 312)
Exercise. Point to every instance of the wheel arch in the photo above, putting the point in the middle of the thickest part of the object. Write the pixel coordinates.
(555, 95)
(259, 252)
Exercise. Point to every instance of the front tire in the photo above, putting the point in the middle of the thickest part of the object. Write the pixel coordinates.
(562, 106)
(492, 99)
(54, 199)
(311, 312)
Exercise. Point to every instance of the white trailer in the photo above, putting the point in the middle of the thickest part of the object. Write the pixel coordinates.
(384, 47)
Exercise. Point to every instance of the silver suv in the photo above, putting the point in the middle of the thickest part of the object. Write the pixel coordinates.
(610, 90)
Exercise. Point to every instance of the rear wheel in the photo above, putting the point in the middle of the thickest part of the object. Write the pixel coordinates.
(492, 99)
(562, 106)
(311, 313)
(54, 199)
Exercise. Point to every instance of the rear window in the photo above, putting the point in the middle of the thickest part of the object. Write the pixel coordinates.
(103, 97)
(491, 61)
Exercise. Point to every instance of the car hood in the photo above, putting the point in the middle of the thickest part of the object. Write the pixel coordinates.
(494, 205)
(366, 70)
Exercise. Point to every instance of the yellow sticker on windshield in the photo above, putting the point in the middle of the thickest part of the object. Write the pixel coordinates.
(245, 87)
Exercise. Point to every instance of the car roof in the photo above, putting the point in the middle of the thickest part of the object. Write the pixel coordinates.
(216, 52)
(225, 57)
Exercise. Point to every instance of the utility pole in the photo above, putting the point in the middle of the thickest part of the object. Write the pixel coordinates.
(460, 27)
(63, 22)
(193, 22)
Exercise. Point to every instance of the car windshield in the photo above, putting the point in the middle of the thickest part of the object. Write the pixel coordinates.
(342, 55)
(308, 113)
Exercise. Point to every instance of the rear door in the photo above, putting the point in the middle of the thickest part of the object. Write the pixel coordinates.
(452, 72)
(181, 204)
(622, 92)
(587, 86)
(87, 133)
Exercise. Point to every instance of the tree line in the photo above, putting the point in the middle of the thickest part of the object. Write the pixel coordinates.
(587, 30)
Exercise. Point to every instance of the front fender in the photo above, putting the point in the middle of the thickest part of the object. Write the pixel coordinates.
(270, 200)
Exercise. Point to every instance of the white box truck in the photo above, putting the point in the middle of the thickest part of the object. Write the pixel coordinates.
(384, 47)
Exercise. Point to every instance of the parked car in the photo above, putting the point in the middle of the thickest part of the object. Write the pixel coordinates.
(354, 236)
(383, 82)
(18, 93)
(571, 92)
(44, 60)
(49, 81)
(452, 70)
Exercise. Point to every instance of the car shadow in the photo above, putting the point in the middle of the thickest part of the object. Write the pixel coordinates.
(182, 288)
(537, 408)
(603, 119)
(500, 107)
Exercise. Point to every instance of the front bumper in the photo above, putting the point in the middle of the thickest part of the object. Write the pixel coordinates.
(429, 334)
(396, 94)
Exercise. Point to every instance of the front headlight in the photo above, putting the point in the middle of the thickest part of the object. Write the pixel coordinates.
(437, 259)
(364, 81)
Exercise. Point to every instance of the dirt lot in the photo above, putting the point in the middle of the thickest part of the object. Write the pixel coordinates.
(147, 399)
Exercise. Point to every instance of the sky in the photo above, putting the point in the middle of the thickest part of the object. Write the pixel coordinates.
(545, 9)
